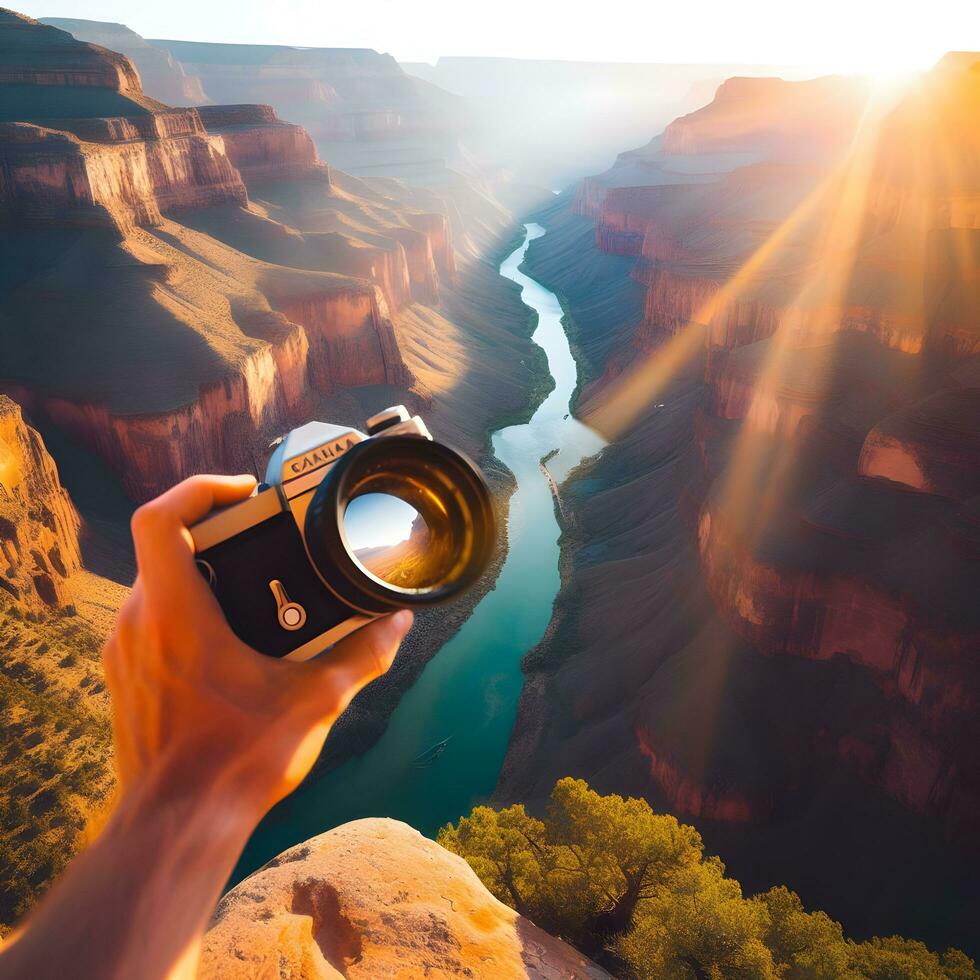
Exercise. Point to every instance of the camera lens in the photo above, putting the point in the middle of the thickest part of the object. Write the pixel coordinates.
(391, 540)
(400, 521)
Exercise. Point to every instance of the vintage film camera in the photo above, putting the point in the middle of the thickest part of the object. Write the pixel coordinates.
(346, 527)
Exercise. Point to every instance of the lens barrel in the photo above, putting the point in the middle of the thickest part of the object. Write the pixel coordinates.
(454, 515)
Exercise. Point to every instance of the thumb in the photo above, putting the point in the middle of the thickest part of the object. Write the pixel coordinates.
(353, 663)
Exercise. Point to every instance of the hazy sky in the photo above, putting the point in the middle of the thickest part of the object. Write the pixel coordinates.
(848, 35)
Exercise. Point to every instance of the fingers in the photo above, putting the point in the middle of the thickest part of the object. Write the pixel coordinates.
(353, 664)
(163, 544)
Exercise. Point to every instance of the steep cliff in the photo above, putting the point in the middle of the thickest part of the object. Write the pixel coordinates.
(38, 524)
(374, 898)
(53, 705)
(338, 94)
(121, 181)
(161, 76)
(777, 555)
(229, 350)
(57, 77)
(261, 146)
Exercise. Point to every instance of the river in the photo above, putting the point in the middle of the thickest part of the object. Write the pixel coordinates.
(468, 692)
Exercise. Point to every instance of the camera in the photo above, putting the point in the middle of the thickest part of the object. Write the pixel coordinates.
(347, 526)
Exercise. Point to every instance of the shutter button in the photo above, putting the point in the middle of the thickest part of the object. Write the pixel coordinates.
(292, 616)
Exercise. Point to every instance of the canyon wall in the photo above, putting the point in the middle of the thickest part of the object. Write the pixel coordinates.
(778, 551)
(338, 94)
(121, 180)
(260, 145)
(273, 337)
(161, 76)
(38, 524)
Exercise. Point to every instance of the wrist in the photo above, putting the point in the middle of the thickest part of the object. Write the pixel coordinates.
(178, 795)
(150, 881)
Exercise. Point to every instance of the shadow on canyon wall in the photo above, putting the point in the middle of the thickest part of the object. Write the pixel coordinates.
(768, 620)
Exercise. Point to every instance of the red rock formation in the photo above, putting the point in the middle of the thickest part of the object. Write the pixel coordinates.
(351, 339)
(51, 175)
(261, 145)
(338, 94)
(439, 233)
(38, 524)
(272, 337)
(688, 798)
(214, 433)
(39, 55)
(932, 446)
(162, 78)
(818, 658)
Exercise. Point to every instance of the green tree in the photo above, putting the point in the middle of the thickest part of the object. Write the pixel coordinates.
(616, 853)
(804, 945)
(896, 958)
(584, 871)
(507, 850)
(700, 926)
(633, 889)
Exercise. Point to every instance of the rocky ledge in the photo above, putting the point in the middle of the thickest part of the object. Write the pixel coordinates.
(376, 899)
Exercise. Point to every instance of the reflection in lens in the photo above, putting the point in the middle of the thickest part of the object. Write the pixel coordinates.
(390, 538)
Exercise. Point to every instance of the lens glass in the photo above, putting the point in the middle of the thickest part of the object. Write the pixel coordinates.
(399, 521)
(391, 540)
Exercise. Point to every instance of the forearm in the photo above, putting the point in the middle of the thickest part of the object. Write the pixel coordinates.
(136, 903)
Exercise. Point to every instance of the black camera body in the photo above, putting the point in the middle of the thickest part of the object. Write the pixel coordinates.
(283, 565)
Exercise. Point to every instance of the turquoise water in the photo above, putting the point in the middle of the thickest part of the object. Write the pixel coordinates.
(468, 692)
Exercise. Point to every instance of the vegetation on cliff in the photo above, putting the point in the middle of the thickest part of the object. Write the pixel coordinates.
(55, 773)
(635, 890)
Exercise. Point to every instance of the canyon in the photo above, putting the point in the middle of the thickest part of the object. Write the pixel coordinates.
(551, 122)
(776, 556)
(213, 229)
(767, 621)
(180, 285)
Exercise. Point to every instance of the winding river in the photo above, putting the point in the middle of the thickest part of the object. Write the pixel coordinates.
(468, 692)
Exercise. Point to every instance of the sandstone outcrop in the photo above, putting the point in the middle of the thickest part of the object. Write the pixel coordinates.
(261, 146)
(38, 524)
(35, 55)
(52, 175)
(374, 898)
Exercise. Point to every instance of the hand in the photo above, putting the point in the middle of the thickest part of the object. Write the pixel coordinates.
(195, 706)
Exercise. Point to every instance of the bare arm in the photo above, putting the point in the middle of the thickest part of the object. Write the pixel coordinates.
(209, 734)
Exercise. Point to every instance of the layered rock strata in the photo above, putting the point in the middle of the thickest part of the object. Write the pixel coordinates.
(261, 146)
(339, 94)
(38, 524)
(161, 76)
(274, 336)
